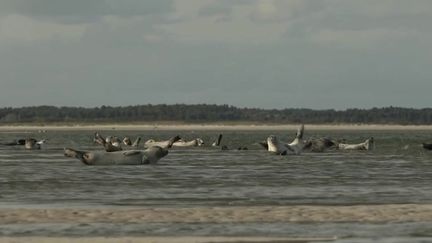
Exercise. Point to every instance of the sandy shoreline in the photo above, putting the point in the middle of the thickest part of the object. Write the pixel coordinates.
(364, 214)
(298, 214)
(182, 239)
(209, 127)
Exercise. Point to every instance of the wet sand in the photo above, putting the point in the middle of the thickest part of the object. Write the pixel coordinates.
(390, 213)
(182, 239)
(298, 214)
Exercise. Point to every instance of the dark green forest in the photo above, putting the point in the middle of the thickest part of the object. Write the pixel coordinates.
(203, 113)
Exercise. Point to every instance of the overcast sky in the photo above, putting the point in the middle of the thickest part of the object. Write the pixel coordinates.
(249, 53)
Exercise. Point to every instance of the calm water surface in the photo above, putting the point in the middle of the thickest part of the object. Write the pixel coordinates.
(397, 171)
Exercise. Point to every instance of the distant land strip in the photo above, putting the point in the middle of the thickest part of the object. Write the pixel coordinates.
(207, 113)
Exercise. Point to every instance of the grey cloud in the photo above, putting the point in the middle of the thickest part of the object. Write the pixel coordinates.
(114, 64)
(388, 20)
(222, 7)
(287, 11)
(83, 10)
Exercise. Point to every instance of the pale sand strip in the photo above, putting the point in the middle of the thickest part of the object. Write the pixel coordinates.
(358, 213)
(209, 127)
(181, 239)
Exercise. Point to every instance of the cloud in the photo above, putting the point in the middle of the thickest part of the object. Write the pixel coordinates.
(301, 53)
(83, 10)
(23, 21)
(20, 28)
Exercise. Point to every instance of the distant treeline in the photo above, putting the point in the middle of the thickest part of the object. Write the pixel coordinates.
(212, 113)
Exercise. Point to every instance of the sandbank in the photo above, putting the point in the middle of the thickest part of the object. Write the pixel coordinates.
(299, 214)
(388, 213)
(208, 127)
(181, 239)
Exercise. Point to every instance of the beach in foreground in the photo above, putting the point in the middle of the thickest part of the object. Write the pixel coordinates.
(182, 239)
(298, 214)
(369, 214)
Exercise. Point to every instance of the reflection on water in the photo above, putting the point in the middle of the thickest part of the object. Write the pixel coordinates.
(398, 171)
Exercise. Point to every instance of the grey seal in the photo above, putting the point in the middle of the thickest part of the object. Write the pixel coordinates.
(427, 146)
(274, 145)
(319, 144)
(368, 144)
(197, 142)
(31, 143)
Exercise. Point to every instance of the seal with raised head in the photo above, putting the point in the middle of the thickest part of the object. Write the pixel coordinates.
(150, 155)
(106, 143)
(278, 147)
(128, 142)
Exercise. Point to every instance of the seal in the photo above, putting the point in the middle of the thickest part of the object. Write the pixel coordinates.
(20, 141)
(197, 142)
(128, 142)
(106, 143)
(280, 148)
(217, 142)
(319, 144)
(150, 155)
(33, 144)
(427, 146)
(152, 142)
(366, 145)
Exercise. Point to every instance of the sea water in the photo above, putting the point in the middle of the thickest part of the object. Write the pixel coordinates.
(397, 171)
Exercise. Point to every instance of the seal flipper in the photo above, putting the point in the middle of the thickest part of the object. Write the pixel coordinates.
(264, 144)
(300, 132)
(172, 141)
(218, 141)
(136, 142)
(81, 155)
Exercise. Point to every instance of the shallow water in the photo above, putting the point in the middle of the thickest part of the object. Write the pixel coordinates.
(398, 171)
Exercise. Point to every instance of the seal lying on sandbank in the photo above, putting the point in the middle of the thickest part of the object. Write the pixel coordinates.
(368, 144)
(319, 144)
(107, 143)
(29, 143)
(15, 142)
(128, 142)
(150, 155)
(427, 146)
(197, 142)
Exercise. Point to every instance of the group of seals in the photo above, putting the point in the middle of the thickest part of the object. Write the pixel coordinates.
(149, 155)
(197, 142)
(298, 145)
(112, 144)
(29, 143)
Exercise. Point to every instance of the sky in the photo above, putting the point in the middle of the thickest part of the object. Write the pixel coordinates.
(319, 54)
